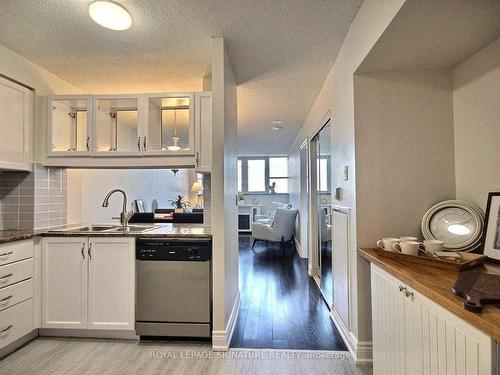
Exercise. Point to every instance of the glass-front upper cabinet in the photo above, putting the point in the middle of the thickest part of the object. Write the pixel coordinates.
(169, 124)
(69, 119)
(116, 125)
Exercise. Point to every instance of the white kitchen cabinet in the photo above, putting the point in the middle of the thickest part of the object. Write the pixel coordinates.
(69, 125)
(16, 291)
(168, 126)
(88, 283)
(111, 283)
(116, 125)
(16, 120)
(64, 282)
(203, 131)
(413, 335)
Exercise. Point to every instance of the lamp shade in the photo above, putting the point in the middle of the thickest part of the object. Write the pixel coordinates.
(197, 187)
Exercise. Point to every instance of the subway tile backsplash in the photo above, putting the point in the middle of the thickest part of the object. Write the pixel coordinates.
(33, 200)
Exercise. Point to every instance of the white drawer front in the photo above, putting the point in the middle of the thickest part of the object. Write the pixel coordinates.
(13, 294)
(15, 322)
(14, 251)
(15, 272)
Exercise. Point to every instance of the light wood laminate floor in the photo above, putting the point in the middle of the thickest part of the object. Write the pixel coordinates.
(58, 356)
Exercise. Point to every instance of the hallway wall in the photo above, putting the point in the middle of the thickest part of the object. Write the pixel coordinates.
(337, 96)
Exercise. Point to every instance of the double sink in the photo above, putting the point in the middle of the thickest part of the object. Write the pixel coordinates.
(89, 229)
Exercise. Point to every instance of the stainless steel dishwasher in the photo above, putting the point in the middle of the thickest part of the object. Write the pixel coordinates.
(173, 293)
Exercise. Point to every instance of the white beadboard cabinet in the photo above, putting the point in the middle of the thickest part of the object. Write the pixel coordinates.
(88, 283)
(413, 335)
(16, 121)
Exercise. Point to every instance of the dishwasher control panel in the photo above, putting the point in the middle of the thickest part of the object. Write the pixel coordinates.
(173, 250)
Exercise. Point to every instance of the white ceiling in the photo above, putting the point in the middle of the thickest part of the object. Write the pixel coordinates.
(281, 51)
(434, 34)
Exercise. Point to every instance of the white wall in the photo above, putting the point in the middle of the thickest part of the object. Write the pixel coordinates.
(337, 95)
(224, 179)
(88, 187)
(17, 67)
(476, 88)
(404, 150)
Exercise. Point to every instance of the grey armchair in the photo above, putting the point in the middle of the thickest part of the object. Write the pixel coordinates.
(269, 217)
(281, 231)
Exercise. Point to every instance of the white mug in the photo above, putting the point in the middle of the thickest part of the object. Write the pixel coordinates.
(386, 243)
(431, 246)
(408, 247)
(406, 239)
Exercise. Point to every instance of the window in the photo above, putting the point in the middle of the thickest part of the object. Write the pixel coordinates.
(323, 175)
(240, 177)
(256, 178)
(263, 175)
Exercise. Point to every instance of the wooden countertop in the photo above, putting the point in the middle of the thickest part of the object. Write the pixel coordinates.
(436, 283)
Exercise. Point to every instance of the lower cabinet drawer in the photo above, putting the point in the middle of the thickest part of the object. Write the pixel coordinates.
(13, 294)
(15, 322)
(14, 251)
(15, 272)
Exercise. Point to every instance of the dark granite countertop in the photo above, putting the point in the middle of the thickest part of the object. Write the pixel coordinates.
(159, 231)
(9, 235)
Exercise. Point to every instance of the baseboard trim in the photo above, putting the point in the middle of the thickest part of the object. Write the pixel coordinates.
(298, 247)
(222, 339)
(20, 342)
(88, 333)
(361, 351)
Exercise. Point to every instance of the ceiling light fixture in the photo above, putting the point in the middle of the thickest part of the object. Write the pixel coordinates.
(110, 15)
(276, 125)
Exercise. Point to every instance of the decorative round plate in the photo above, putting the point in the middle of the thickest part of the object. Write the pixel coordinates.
(458, 224)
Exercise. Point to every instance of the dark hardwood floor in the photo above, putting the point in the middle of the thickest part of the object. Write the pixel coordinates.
(281, 306)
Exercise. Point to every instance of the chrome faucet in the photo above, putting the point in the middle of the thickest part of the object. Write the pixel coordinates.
(124, 216)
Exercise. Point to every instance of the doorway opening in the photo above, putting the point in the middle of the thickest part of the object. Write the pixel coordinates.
(282, 304)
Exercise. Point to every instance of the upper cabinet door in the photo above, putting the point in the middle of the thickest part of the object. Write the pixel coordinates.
(16, 119)
(116, 125)
(69, 130)
(203, 132)
(168, 124)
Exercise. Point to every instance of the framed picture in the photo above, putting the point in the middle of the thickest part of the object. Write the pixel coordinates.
(491, 236)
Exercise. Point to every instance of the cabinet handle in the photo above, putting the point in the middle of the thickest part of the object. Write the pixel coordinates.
(402, 288)
(83, 250)
(6, 254)
(139, 143)
(90, 250)
(144, 144)
(197, 159)
(408, 293)
(2, 300)
(5, 276)
(87, 143)
(6, 328)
